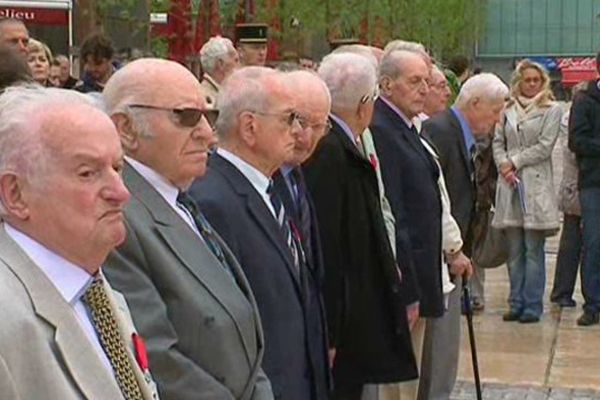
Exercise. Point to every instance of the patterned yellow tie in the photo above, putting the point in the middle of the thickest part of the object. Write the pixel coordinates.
(106, 325)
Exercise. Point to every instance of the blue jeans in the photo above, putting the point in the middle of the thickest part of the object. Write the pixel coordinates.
(590, 267)
(526, 270)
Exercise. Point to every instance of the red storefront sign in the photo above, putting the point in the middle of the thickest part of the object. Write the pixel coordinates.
(36, 16)
(577, 69)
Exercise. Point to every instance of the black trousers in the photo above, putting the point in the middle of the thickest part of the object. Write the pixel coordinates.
(569, 257)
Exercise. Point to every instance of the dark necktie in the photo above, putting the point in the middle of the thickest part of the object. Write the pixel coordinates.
(204, 227)
(286, 227)
(303, 207)
(105, 322)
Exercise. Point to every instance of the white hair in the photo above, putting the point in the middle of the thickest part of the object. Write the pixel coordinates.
(244, 90)
(215, 49)
(413, 47)
(392, 62)
(22, 150)
(484, 86)
(349, 78)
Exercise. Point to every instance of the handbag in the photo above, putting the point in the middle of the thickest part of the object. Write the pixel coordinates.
(491, 250)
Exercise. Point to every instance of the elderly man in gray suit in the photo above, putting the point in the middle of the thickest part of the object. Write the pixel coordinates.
(187, 291)
(65, 334)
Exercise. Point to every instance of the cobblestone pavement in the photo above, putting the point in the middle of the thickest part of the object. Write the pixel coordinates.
(494, 391)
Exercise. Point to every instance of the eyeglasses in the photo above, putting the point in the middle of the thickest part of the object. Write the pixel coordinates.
(290, 116)
(187, 116)
(370, 96)
(318, 127)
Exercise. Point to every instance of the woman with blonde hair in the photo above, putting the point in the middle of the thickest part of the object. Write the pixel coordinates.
(526, 204)
(39, 59)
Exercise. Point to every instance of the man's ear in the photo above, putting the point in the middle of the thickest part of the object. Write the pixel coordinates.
(248, 128)
(385, 85)
(12, 196)
(129, 137)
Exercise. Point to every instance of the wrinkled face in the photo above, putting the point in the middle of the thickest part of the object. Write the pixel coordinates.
(409, 90)
(39, 65)
(313, 108)
(253, 54)
(99, 69)
(486, 114)
(54, 78)
(65, 70)
(76, 209)
(176, 151)
(15, 36)
(231, 62)
(276, 128)
(531, 82)
(439, 93)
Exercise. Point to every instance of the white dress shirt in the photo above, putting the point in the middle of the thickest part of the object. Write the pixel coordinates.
(259, 181)
(166, 189)
(70, 280)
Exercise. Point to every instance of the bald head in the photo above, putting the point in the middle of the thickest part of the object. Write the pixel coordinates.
(149, 79)
(313, 103)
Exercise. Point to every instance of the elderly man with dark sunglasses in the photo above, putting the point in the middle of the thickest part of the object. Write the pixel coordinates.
(187, 292)
(257, 127)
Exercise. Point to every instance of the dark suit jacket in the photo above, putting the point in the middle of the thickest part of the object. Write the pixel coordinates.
(410, 178)
(366, 314)
(201, 324)
(314, 306)
(445, 132)
(241, 217)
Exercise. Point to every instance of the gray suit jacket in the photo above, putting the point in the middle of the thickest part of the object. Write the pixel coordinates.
(203, 331)
(44, 351)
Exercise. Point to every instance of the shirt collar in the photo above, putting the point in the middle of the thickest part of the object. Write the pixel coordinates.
(211, 80)
(259, 180)
(70, 279)
(466, 129)
(344, 127)
(165, 188)
(391, 105)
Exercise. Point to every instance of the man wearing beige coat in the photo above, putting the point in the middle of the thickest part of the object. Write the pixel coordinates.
(65, 334)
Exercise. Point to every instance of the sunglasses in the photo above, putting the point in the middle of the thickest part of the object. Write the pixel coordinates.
(187, 116)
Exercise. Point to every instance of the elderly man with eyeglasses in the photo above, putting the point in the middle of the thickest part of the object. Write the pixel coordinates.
(188, 295)
(257, 129)
(368, 329)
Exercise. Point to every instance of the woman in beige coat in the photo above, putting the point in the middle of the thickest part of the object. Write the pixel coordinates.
(526, 204)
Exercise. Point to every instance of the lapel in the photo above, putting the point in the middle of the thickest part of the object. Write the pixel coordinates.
(456, 127)
(191, 251)
(398, 125)
(79, 357)
(347, 144)
(258, 211)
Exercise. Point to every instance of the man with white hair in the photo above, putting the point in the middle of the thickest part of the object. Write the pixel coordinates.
(478, 108)
(219, 59)
(65, 334)
(438, 95)
(187, 291)
(313, 104)
(257, 127)
(368, 326)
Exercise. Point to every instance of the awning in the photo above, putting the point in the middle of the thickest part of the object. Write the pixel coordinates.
(49, 12)
(574, 76)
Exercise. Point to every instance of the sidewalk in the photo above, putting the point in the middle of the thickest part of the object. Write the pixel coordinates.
(554, 359)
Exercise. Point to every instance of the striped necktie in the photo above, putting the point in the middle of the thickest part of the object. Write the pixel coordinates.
(105, 322)
(289, 235)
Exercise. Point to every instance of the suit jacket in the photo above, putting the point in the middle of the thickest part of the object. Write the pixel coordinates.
(313, 300)
(445, 132)
(241, 217)
(410, 177)
(366, 314)
(204, 335)
(44, 351)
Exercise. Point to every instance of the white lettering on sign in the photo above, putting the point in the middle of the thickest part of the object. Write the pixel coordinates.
(22, 15)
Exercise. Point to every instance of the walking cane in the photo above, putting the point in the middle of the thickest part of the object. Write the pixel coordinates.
(469, 315)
